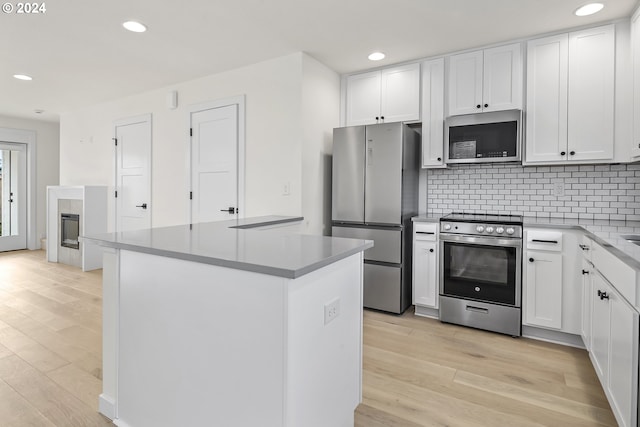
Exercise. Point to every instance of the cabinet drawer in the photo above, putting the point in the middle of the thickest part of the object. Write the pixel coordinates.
(619, 274)
(550, 241)
(586, 246)
(425, 231)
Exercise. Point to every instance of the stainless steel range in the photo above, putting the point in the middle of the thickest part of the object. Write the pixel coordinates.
(481, 271)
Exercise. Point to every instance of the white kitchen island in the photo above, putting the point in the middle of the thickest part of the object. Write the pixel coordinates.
(225, 324)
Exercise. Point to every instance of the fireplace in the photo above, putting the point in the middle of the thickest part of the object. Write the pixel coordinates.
(69, 230)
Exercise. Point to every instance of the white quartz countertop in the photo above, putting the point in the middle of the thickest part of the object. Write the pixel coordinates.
(605, 232)
(238, 244)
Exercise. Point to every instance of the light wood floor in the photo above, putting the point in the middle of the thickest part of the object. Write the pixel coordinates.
(420, 372)
(417, 372)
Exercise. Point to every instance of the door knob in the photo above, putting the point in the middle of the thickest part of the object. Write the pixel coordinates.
(231, 210)
(143, 206)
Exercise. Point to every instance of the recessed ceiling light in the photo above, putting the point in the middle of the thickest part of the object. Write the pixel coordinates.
(22, 77)
(589, 9)
(376, 56)
(134, 26)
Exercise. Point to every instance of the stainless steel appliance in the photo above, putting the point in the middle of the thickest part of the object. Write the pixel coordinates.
(481, 271)
(484, 137)
(374, 195)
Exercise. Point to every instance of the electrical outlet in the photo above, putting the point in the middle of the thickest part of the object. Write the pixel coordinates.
(558, 189)
(331, 310)
(286, 189)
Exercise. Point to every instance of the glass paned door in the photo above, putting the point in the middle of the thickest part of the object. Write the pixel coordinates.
(13, 196)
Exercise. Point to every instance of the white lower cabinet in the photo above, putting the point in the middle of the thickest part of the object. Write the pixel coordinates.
(610, 329)
(585, 324)
(551, 286)
(614, 349)
(600, 327)
(623, 360)
(425, 265)
(544, 289)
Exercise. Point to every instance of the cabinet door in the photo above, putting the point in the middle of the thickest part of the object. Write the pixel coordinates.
(433, 113)
(635, 46)
(502, 78)
(543, 305)
(425, 274)
(400, 96)
(546, 112)
(623, 360)
(591, 93)
(600, 327)
(585, 330)
(363, 98)
(465, 83)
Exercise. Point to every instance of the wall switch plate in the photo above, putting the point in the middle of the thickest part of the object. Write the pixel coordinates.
(331, 310)
(558, 189)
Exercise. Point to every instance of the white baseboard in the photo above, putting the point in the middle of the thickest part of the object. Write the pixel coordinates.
(433, 313)
(555, 337)
(107, 406)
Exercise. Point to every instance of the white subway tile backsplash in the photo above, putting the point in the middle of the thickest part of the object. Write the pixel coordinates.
(590, 191)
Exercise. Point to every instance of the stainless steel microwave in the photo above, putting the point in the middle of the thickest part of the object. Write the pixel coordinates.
(484, 137)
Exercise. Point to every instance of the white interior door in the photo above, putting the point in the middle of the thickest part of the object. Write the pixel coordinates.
(13, 196)
(133, 173)
(214, 164)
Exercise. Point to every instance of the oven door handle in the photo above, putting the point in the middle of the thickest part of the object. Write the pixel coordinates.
(479, 240)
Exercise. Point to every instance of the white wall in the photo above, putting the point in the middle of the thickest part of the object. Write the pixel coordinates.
(274, 138)
(320, 114)
(47, 161)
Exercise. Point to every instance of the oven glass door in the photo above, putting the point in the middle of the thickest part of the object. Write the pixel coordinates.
(481, 272)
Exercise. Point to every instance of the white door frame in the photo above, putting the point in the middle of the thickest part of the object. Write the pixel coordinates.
(27, 137)
(124, 122)
(240, 102)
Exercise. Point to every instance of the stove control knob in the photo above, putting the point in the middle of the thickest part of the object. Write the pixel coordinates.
(510, 230)
(489, 229)
(447, 226)
(479, 229)
(499, 230)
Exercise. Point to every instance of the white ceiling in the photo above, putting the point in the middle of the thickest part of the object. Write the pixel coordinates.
(79, 54)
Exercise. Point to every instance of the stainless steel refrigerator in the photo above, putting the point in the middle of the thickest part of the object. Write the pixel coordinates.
(374, 196)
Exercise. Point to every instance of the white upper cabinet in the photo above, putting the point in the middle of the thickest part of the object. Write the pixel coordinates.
(384, 96)
(570, 97)
(502, 82)
(635, 46)
(547, 85)
(486, 80)
(363, 98)
(465, 83)
(433, 113)
(591, 93)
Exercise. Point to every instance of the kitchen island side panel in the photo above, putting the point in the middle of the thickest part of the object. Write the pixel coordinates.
(326, 354)
(187, 343)
(198, 344)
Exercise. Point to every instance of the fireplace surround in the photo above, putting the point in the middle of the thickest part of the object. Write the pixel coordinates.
(89, 203)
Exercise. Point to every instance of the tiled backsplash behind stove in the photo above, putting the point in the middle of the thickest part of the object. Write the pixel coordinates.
(590, 191)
